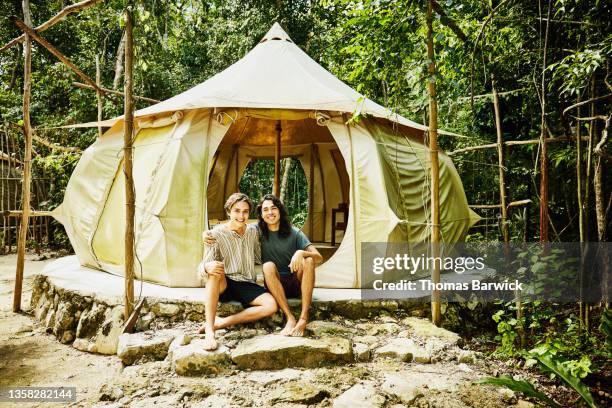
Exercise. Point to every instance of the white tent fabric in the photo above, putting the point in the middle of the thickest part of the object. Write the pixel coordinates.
(190, 151)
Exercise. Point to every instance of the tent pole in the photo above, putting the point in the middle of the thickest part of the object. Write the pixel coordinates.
(353, 202)
(27, 160)
(436, 315)
(127, 166)
(311, 192)
(277, 154)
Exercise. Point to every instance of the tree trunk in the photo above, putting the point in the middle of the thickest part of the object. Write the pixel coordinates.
(27, 161)
(283, 188)
(119, 62)
(99, 94)
(15, 68)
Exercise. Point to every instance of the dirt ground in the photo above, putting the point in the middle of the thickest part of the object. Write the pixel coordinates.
(30, 357)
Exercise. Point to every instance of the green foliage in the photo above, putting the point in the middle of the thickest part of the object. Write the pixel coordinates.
(527, 388)
(549, 364)
(606, 328)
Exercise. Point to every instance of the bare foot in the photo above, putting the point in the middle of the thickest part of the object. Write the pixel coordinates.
(298, 330)
(220, 323)
(209, 341)
(289, 326)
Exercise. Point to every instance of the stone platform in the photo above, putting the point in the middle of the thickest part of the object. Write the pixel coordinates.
(84, 306)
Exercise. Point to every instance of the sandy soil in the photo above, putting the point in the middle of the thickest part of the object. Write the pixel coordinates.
(30, 357)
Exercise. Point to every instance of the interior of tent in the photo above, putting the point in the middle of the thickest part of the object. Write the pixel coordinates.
(251, 138)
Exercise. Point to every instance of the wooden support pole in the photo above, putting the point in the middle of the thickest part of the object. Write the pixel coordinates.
(436, 314)
(73, 8)
(55, 52)
(19, 213)
(277, 155)
(543, 145)
(512, 204)
(127, 164)
(513, 143)
(27, 161)
(311, 177)
(99, 94)
(113, 92)
(502, 172)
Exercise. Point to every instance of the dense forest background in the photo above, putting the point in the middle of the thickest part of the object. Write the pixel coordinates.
(377, 47)
(542, 57)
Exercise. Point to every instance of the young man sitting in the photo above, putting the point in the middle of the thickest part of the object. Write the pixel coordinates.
(229, 264)
(289, 261)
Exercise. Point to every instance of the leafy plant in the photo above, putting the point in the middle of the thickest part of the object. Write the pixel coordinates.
(527, 388)
(547, 363)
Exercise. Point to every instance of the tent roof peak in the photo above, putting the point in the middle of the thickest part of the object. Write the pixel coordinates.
(276, 33)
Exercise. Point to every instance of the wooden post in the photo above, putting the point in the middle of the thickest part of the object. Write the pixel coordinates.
(277, 155)
(436, 315)
(311, 192)
(501, 160)
(127, 165)
(99, 94)
(543, 144)
(27, 160)
(501, 163)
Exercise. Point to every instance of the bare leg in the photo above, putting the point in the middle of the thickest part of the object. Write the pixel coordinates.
(307, 278)
(215, 285)
(272, 279)
(262, 306)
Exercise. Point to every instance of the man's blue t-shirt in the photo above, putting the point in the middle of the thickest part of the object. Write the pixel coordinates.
(280, 250)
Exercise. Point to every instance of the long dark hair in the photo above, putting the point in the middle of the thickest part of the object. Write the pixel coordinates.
(285, 225)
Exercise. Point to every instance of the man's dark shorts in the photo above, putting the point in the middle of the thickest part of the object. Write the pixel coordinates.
(243, 292)
(292, 285)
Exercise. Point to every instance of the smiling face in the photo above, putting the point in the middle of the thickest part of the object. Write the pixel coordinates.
(239, 213)
(270, 213)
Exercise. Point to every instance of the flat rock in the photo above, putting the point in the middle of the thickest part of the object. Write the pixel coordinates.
(362, 352)
(425, 329)
(192, 359)
(401, 388)
(360, 395)
(269, 377)
(147, 345)
(466, 356)
(107, 337)
(404, 350)
(165, 309)
(320, 328)
(298, 392)
(273, 352)
(376, 329)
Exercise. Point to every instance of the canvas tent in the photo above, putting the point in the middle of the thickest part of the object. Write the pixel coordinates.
(190, 150)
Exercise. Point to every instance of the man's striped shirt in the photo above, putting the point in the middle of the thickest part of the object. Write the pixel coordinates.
(239, 253)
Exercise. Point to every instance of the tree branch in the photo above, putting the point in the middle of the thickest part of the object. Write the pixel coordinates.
(54, 20)
(588, 101)
(54, 51)
(450, 23)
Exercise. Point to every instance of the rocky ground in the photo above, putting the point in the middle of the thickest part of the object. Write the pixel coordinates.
(391, 360)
